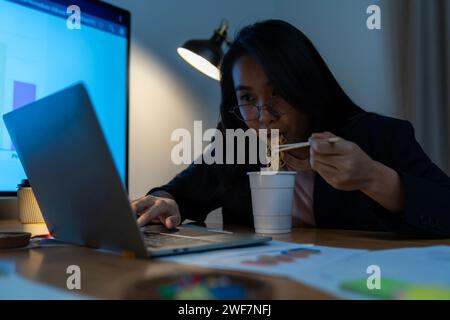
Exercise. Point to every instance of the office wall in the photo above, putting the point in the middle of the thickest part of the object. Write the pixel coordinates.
(167, 94)
(359, 58)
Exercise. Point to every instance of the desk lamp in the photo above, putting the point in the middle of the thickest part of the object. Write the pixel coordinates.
(206, 55)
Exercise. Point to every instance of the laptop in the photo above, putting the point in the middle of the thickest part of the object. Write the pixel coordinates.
(64, 153)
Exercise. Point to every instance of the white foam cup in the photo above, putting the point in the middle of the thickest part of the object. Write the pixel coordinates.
(272, 200)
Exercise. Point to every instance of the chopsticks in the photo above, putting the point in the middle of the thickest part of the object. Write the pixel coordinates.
(292, 146)
(286, 147)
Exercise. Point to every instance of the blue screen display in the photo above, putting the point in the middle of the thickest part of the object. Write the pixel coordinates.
(42, 51)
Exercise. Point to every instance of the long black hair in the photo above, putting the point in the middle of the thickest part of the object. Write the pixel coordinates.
(295, 69)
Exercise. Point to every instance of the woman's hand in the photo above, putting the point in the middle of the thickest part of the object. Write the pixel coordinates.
(151, 209)
(346, 167)
(342, 163)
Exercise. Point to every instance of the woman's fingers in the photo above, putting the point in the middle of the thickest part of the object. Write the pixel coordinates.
(170, 221)
(335, 161)
(162, 210)
(152, 213)
(340, 162)
(323, 135)
(142, 204)
(333, 147)
(323, 168)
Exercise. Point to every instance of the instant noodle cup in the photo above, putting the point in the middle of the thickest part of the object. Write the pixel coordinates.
(272, 200)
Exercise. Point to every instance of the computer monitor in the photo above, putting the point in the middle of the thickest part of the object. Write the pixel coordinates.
(47, 45)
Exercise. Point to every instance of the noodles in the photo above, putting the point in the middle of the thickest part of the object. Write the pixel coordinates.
(272, 156)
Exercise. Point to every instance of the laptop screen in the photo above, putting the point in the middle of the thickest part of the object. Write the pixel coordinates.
(47, 45)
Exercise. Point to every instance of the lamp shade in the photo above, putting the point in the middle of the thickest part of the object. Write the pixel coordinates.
(206, 55)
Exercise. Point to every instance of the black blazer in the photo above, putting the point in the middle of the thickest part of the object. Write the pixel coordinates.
(202, 188)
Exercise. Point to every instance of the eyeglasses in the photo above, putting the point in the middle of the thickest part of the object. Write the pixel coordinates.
(251, 111)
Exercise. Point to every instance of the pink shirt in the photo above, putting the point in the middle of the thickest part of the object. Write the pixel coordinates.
(303, 208)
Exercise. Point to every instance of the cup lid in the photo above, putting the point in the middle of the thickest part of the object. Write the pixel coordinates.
(271, 173)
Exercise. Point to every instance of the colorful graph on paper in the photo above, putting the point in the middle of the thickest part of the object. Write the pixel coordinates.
(274, 258)
(285, 256)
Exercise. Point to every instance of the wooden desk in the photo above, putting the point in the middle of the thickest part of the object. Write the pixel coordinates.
(109, 276)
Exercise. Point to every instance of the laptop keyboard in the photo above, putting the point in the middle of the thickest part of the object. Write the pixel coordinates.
(154, 240)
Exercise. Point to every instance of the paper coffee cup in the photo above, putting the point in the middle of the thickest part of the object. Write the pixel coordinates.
(29, 211)
(272, 200)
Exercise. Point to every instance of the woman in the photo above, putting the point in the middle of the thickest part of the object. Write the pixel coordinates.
(375, 177)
